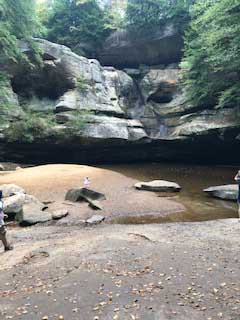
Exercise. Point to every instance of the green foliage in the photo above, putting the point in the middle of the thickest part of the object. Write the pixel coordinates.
(212, 50)
(39, 127)
(44, 106)
(76, 125)
(81, 84)
(17, 22)
(6, 101)
(32, 127)
(146, 14)
(78, 23)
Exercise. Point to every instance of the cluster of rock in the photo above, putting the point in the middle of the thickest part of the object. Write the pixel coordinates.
(26, 209)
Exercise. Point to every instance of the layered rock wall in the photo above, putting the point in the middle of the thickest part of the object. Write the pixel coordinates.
(118, 115)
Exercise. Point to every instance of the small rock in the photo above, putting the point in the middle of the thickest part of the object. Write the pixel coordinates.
(95, 219)
(18, 168)
(59, 214)
(2, 167)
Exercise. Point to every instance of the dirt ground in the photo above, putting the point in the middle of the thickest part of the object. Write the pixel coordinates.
(150, 272)
(112, 271)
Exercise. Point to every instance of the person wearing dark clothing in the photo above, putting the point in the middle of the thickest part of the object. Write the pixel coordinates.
(237, 179)
(3, 231)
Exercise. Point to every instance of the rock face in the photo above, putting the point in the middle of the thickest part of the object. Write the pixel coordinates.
(226, 192)
(99, 95)
(123, 49)
(24, 208)
(101, 114)
(158, 186)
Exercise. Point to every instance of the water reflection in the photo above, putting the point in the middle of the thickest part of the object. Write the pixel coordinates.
(193, 179)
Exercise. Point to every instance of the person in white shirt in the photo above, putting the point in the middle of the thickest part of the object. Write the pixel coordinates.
(86, 182)
(3, 231)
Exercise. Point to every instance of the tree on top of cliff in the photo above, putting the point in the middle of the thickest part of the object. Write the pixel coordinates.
(146, 14)
(78, 24)
(212, 54)
(17, 22)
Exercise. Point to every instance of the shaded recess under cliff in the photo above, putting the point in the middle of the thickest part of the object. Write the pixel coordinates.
(123, 49)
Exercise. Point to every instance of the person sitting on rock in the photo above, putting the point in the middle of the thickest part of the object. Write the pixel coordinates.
(237, 179)
(86, 182)
(3, 231)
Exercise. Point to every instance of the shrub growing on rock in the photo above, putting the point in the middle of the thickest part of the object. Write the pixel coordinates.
(30, 128)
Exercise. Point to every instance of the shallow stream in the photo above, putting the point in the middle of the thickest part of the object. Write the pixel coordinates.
(193, 179)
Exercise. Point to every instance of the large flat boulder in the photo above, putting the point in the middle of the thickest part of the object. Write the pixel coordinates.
(158, 186)
(225, 192)
(91, 196)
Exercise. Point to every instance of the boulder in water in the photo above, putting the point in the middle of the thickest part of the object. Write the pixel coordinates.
(225, 192)
(158, 186)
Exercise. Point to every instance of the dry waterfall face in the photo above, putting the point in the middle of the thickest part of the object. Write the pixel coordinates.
(126, 115)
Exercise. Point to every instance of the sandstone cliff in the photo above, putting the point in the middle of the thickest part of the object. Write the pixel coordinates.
(101, 114)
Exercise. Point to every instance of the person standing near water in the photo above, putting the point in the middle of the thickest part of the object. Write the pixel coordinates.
(237, 179)
(86, 182)
(3, 231)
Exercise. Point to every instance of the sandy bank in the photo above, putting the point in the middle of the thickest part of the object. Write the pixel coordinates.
(51, 182)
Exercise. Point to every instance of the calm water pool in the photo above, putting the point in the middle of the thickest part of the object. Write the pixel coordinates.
(193, 179)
